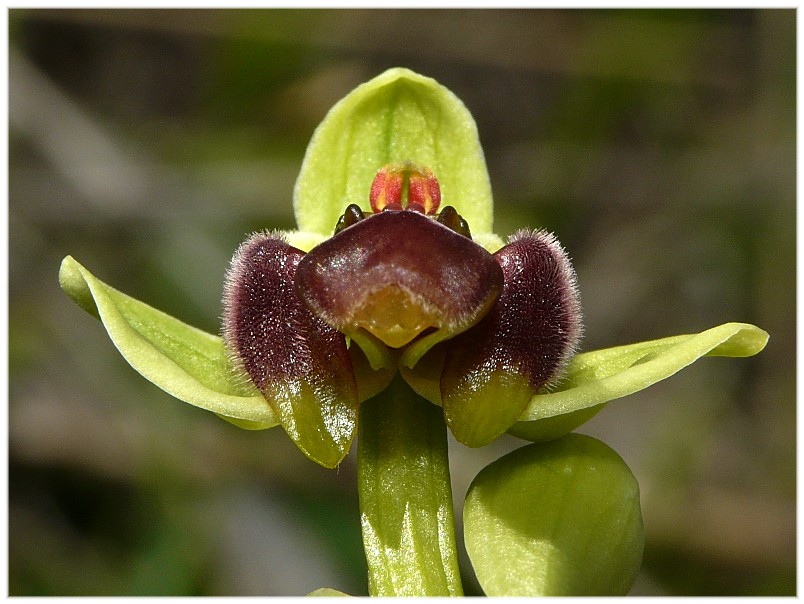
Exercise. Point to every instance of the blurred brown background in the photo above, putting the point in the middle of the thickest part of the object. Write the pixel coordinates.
(658, 145)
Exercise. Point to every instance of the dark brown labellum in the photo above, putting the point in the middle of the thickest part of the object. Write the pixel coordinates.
(396, 275)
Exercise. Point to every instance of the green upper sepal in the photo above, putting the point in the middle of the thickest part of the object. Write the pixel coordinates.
(327, 592)
(299, 363)
(397, 116)
(492, 371)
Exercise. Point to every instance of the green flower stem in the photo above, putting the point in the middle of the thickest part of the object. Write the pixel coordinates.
(406, 497)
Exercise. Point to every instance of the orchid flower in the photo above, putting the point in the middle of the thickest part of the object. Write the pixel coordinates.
(394, 312)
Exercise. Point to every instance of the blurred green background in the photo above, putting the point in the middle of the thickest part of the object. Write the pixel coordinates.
(658, 145)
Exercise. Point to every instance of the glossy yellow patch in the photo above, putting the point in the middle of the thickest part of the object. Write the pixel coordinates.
(395, 315)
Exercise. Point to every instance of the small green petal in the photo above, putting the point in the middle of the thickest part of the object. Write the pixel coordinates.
(489, 241)
(425, 377)
(327, 592)
(398, 116)
(380, 357)
(181, 360)
(303, 240)
(596, 377)
(370, 381)
(553, 427)
(556, 519)
(246, 424)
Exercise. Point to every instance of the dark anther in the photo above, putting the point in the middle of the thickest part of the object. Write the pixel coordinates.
(352, 215)
(450, 218)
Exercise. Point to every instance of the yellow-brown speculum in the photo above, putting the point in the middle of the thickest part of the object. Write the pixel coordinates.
(395, 315)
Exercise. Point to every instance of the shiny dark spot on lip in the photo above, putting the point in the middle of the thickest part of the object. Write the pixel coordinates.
(450, 218)
(352, 215)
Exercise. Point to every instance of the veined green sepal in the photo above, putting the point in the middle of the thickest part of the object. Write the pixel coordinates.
(398, 116)
(327, 592)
